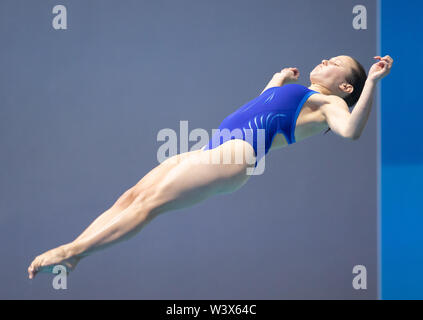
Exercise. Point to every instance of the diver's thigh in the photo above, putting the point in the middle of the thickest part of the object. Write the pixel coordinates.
(196, 178)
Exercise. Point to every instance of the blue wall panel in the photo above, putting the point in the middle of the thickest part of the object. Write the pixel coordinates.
(402, 152)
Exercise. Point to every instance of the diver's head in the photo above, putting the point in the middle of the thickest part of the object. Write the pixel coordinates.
(342, 76)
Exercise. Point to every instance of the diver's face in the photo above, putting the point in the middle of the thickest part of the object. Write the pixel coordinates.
(332, 73)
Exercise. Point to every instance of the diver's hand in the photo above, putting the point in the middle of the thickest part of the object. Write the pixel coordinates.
(381, 68)
(290, 75)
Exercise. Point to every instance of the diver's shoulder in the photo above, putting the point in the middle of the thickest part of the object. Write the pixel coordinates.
(320, 99)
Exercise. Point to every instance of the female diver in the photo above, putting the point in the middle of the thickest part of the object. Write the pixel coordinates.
(287, 111)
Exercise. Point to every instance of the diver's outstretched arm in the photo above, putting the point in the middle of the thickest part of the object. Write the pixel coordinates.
(361, 111)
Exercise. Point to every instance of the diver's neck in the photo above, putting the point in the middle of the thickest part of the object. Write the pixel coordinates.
(320, 88)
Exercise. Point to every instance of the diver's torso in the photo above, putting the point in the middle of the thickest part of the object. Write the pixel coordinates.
(310, 122)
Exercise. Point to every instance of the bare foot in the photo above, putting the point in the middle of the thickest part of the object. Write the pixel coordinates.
(48, 260)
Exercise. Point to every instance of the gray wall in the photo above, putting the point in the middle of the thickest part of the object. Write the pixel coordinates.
(80, 112)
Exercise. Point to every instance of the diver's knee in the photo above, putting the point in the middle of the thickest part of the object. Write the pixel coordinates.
(147, 200)
(126, 198)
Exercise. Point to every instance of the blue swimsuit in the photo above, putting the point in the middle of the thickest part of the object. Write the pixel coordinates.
(276, 111)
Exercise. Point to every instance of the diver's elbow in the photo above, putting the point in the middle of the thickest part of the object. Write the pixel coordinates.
(351, 134)
(354, 137)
